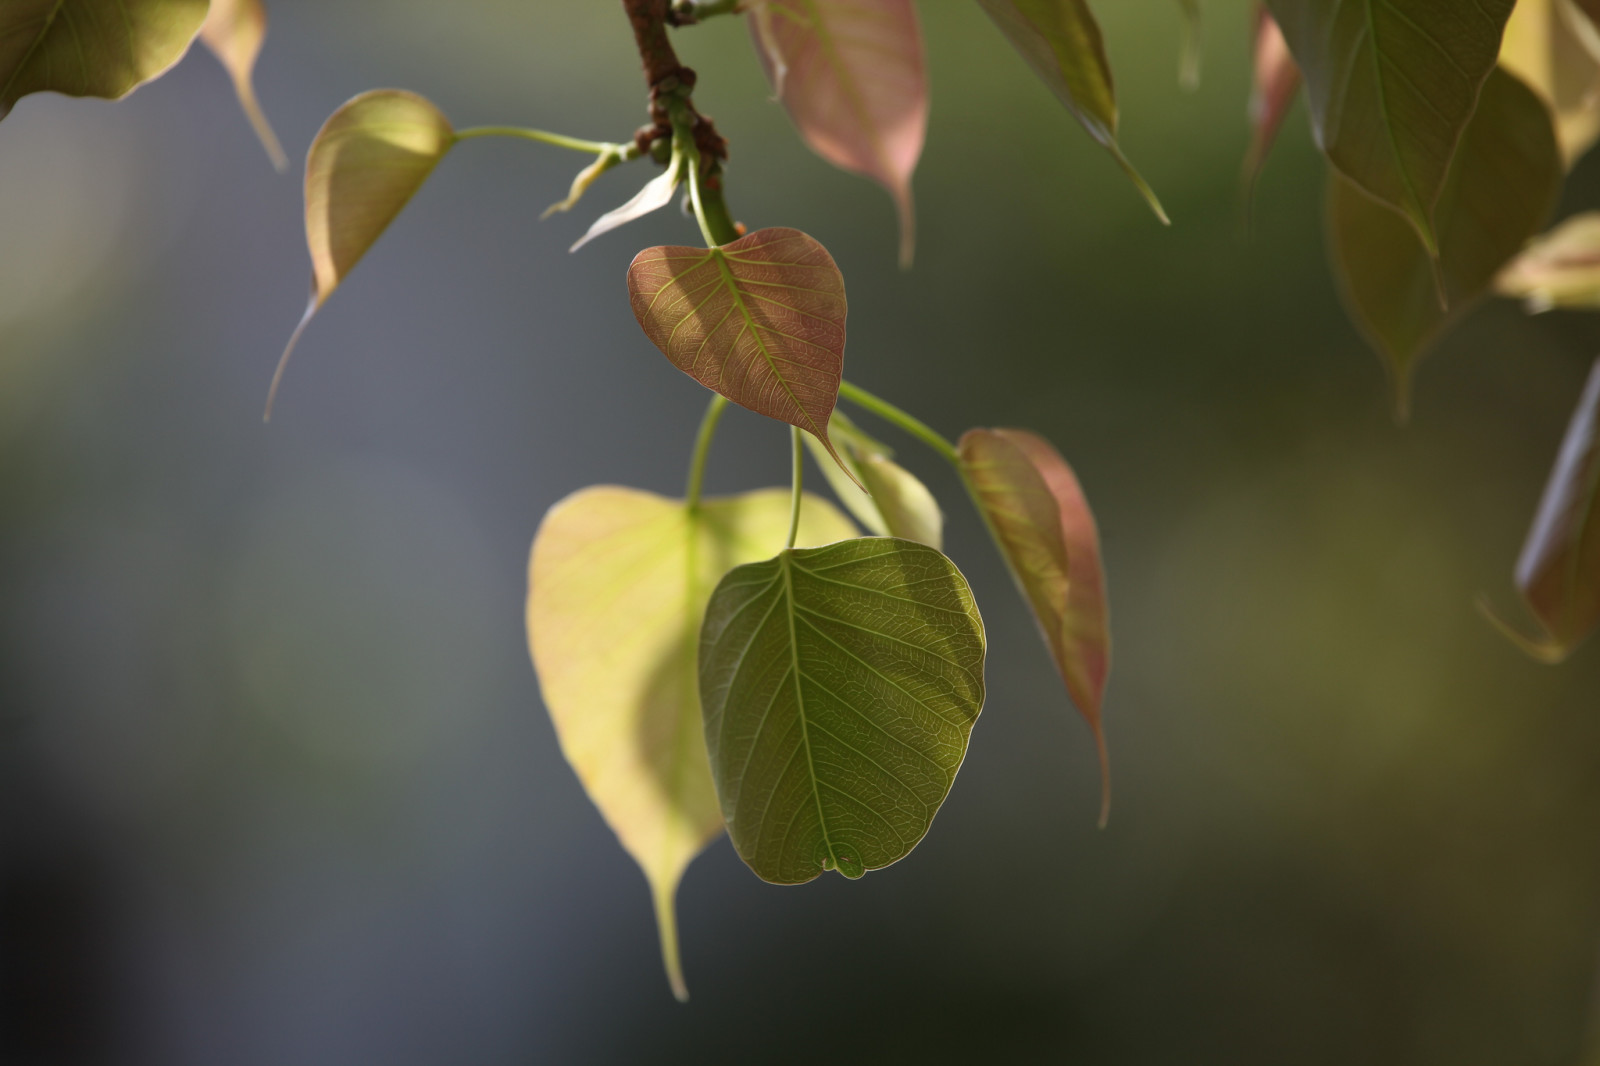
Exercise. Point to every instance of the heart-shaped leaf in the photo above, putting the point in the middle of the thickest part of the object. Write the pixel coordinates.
(1036, 509)
(1552, 46)
(367, 161)
(617, 586)
(1502, 187)
(1559, 569)
(656, 194)
(1272, 93)
(850, 73)
(1061, 41)
(760, 321)
(840, 685)
(894, 503)
(234, 30)
(1560, 269)
(91, 47)
(1392, 86)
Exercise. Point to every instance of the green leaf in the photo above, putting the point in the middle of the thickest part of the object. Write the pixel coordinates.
(1559, 269)
(367, 161)
(839, 686)
(894, 503)
(760, 321)
(850, 74)
(1502, 187)
(1037, 512)
(1555, 49)
(1061, 41)
(234, 30)
(1276, 82)
(617, 587)
(91, 47)
(1392, 85)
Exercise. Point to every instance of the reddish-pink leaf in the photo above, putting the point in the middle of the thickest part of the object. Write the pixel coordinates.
(1277, 80)
(850, 73)
(760, 321)
(1037, 511)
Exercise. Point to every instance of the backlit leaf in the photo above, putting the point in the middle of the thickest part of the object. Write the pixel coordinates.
(760, 321)
(1276, 82)
(617, 587)
(839, 685)
(1551, 46)
(1033, 503)
(91, 47)
(850, 73)
(656, 194)
(1502, 188)
(233, 31)
(367, 161)
(894, 503)
(1061, 41)
(1560, 269)
(1392, 85)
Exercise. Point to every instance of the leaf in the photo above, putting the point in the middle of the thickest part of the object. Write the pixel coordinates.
(1392, 85)
(102, 48)
(617, 587)
(1036, 509)
(365, 164)
(1272, 94)
(850, 74)
(585, 178)
(1552, 46)
(234, 30)
(1061, 41)
(894, 503)
(656, 194)
(839, 686)
(1559, 269)
(1191, 50)
(1558, 572)
(1502, 187)
(760, 321)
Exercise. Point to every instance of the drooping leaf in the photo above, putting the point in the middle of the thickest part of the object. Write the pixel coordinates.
(839, 685)
(851, 75)
(1552, 46)
(617, 587)
(1502, 188)
(365, 164)
(234, 30)
(894, 503)
(1191, 51)
(91, 47)
(1558, 572)
(1036, 509)
(585, 178)
(1061, 41)
(656, 194)
(1392, 85)
(760, 321)
(1276, 82)
(1560, 269)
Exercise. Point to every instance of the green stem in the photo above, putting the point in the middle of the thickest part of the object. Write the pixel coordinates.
(799, 475)
(560, 141)
(702, 448)
(705, 190)
(890, 413)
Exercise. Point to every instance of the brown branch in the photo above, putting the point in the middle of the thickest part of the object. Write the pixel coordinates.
(649, 18)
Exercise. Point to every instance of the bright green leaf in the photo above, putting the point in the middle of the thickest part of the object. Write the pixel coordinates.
(1061, 41)
(894, 503)
(233, 31)
(617, 587)
(1560, 269)
(1036, 509)
(1502, 187)
(1555, 49)
(839, 686)
(91, 47)
(1392, 85)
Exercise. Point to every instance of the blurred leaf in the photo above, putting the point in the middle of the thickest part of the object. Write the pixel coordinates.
(1552, 46)
(760, 320)
(365, 164)
(1061, 41)
(1190, 52)
(617, 588)
(839, 685)
(1392, 86)
(899, 505)
(1276, 81)
(850, 73)
(1036, 509)
(1560, 269)
(585, 178)
(1559, 569)
(233, 31)
(1503, 186)
(656, 194)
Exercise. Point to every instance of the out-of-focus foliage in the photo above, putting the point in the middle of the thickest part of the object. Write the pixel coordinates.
(234, 31)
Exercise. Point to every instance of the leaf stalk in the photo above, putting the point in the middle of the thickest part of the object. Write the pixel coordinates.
(798, 453)
(702, 449)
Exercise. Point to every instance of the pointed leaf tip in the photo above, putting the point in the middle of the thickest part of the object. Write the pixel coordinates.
(234, 31)
(1275, 83)
(894, 503)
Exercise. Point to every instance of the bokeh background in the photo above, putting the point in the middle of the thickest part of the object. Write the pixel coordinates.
(275, 781)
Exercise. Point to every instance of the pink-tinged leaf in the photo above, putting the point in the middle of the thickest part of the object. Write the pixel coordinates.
(1558, 572)
(851, 74)
(1277, 80)
(234, 30)
(656, 194)
(1036, 509)
(760, 321)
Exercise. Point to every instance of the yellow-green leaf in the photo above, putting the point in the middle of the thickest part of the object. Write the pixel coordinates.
(894, 503)
(1559, 269)
(234, 31)
(617, 587)
(1552, 46)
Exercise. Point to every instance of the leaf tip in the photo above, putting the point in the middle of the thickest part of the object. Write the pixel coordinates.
(667, 926)
(283, 360)
(1548, 652)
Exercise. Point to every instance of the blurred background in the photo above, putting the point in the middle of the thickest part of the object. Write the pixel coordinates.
(275, 782)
